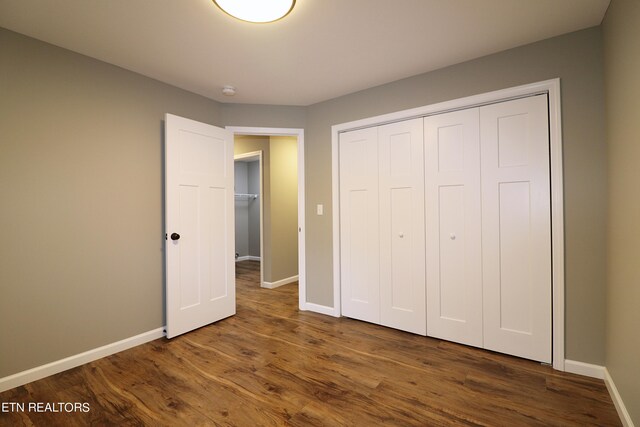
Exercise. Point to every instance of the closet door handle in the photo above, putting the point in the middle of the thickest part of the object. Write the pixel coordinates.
(175, 236)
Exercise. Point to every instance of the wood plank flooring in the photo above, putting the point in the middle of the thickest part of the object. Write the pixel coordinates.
(271, 365)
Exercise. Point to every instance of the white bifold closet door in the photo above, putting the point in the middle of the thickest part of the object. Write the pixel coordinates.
(359, 225)
(382, 225)
(402, 244)
(488, 217)
(453, 220)
(445, 226)
(516, 227)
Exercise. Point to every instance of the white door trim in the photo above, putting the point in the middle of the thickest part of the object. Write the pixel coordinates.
(549, 87)
(299, 133)
(257, 155)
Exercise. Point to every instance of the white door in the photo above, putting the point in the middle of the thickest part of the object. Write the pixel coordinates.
(453, 222)
(516, 228)
(401, 204)
(359, 225)
(199, 224)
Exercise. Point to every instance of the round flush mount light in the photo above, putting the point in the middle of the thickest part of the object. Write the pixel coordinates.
(259, 11)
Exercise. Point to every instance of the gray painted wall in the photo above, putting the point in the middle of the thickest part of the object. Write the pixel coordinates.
(273, 116)
(81, 190)
(622, 84)
(576, 58)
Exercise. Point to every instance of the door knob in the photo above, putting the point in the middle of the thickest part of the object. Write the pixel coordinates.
(175, 236)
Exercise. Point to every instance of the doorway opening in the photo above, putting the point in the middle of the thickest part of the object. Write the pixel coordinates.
(269, 188)
(248, 201)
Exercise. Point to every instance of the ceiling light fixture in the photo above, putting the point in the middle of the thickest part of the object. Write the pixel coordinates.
(259, 11)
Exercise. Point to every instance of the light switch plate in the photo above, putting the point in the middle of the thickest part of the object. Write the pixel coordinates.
(320, 209)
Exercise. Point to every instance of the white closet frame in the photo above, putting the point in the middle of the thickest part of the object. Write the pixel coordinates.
(548, 87)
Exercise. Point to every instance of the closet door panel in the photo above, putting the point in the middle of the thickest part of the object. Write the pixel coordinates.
(453, 227)
(359, 225)
(516, 229)
(401, 181)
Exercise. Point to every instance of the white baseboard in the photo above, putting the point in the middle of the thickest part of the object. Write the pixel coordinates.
(617, 400)
(601, 373)
(317, 308)
(58, 366)
(248, 258)
(586, 369)
(273, 285)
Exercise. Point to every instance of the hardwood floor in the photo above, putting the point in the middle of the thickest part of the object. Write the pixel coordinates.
(273, 365)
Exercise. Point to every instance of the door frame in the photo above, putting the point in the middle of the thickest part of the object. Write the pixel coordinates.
(551, 88)
(299, 133)
(257, 155)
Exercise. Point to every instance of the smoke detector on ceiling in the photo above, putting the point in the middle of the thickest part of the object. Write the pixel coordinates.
(228, 90)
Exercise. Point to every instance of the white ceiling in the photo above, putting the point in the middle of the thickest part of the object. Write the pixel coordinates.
(323, 49)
